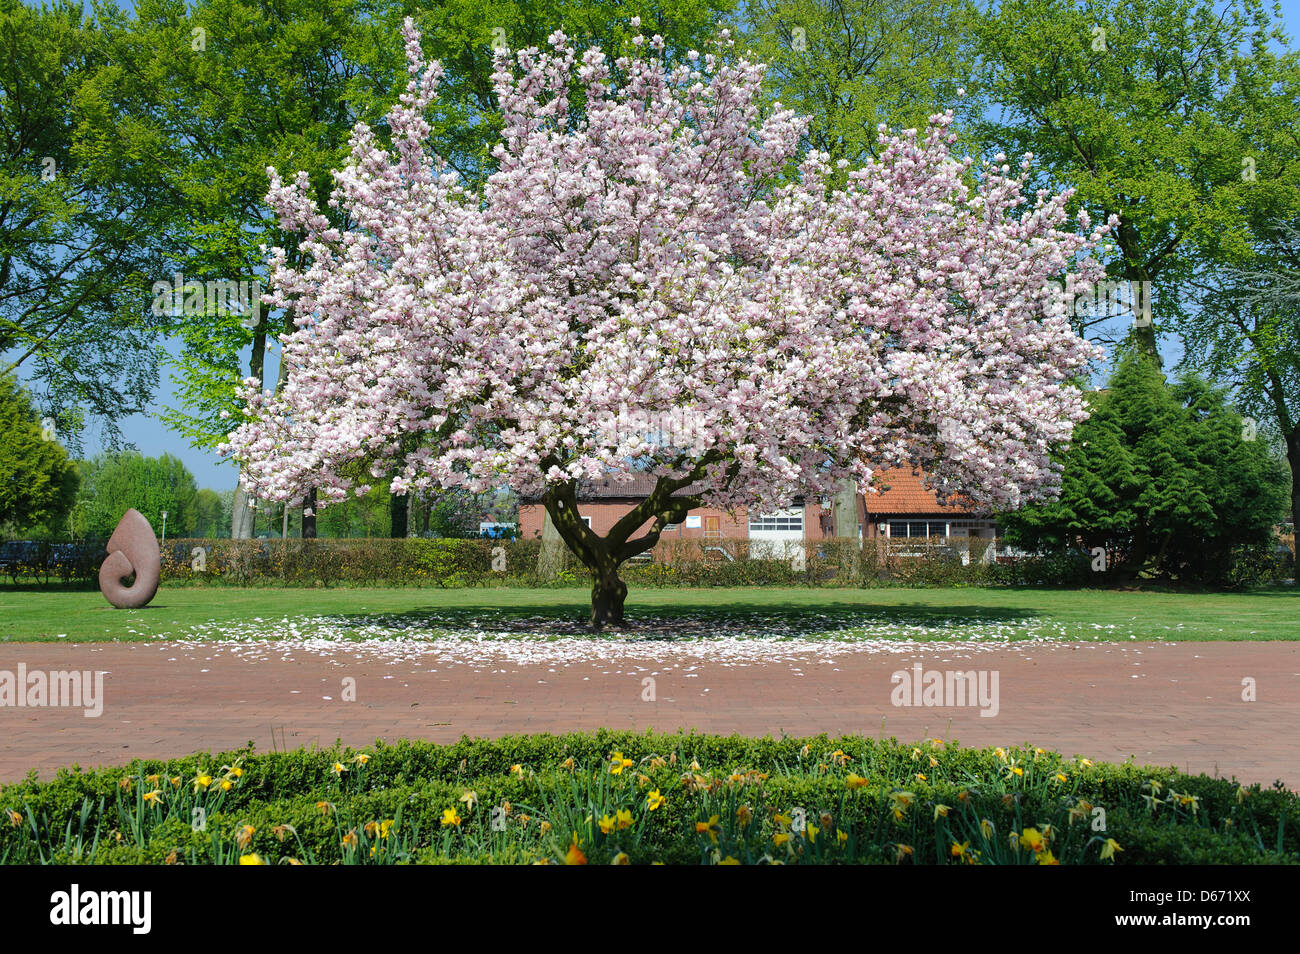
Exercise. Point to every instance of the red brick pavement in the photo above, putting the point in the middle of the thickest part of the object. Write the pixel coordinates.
(1161, 704)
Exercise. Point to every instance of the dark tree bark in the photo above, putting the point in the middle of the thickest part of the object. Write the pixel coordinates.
(309, 519)
(603, 556)
(399, 508)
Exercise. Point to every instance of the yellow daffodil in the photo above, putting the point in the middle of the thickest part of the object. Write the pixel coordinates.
(606, 825)
(350, 839)
(1032, 838)
(1047, 858)
(324, 807)
(901, 851)
(202, 780)
(15, 819)
(339, 768)
(711, 828)
(225, 784)
(855, 781)
(1109, 847)
(470, 799)
(962, 851)
(744, 815)
(654, 801)
(153, 797)
(284, 831)
(780, 838)
(450, 817)
(1060, 777)
(621, 859)
(986, 829)
(623, 818)
(841, 837)
(617, 763)
(250, 860)
(941, 811)
(728, 861)
(362, 758)
(386, 827)
(244, 836)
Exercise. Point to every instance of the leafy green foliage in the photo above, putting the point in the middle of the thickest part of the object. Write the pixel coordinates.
(1166, 113)
(634, 798)
(79, 219)
(1163, 478)
(38, 481)
(113, 483)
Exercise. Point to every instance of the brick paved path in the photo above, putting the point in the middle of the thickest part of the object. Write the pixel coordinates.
(1162, 704)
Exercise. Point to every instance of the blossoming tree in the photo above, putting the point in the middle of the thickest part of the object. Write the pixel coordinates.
(640, 255)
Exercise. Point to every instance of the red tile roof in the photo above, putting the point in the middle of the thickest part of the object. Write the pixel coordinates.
(906, 493)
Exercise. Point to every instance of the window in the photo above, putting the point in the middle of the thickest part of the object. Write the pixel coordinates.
(789, 521)
(918, 528)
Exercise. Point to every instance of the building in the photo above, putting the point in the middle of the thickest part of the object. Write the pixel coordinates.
(905, 510)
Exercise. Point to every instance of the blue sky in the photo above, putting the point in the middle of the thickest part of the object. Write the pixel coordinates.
(147, 434)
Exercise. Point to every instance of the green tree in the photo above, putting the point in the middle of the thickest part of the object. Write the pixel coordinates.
(212, 513)
(1162, 478)
(38, 481)
(113, 483)
(1246, 333)
(80, 213)
(851, 65)
(231, 87)
(1160, 112)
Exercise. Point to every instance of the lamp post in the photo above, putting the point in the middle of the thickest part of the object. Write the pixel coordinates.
(164, 530)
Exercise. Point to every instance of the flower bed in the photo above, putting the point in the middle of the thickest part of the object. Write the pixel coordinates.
(626, 798)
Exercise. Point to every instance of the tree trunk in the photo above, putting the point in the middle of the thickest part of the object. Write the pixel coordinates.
(607, 596)
(309, 519)
(399, 510)
(1293, 458)
(242, 516)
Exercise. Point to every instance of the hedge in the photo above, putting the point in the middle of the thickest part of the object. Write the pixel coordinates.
(459, 562)
(642, 798)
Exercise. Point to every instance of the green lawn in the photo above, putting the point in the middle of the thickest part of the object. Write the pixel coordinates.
(1274, 613)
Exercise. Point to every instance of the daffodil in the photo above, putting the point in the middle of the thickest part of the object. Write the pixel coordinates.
(324, 807)
(841, 837)
(606, 825)
(854, 781)
(901, 851)
(202, 780)
(1047, 858)
(780, 838)
(244, 836)
(450, 817)
(744, 815)
(1109, 847)
(621, 859)
(153, 797)
(250, 860)
(1032, 838)
(986, 829)
(728, 861)
(654, 801)
(941, 811)
(617, 763)
(710, 828)
(339, 768)
(623, 818)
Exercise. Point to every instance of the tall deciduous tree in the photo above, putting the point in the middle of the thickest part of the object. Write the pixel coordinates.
(1156, 112)
(850, 65)
(236, 86)
(634, 291)
(80, 213)
(1246, 333)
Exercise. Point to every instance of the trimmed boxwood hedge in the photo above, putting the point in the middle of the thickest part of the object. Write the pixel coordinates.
(592, 797)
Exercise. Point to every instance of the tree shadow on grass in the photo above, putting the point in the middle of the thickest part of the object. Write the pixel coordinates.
(829, 619)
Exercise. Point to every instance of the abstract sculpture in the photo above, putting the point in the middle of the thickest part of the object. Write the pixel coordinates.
(131, 549)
